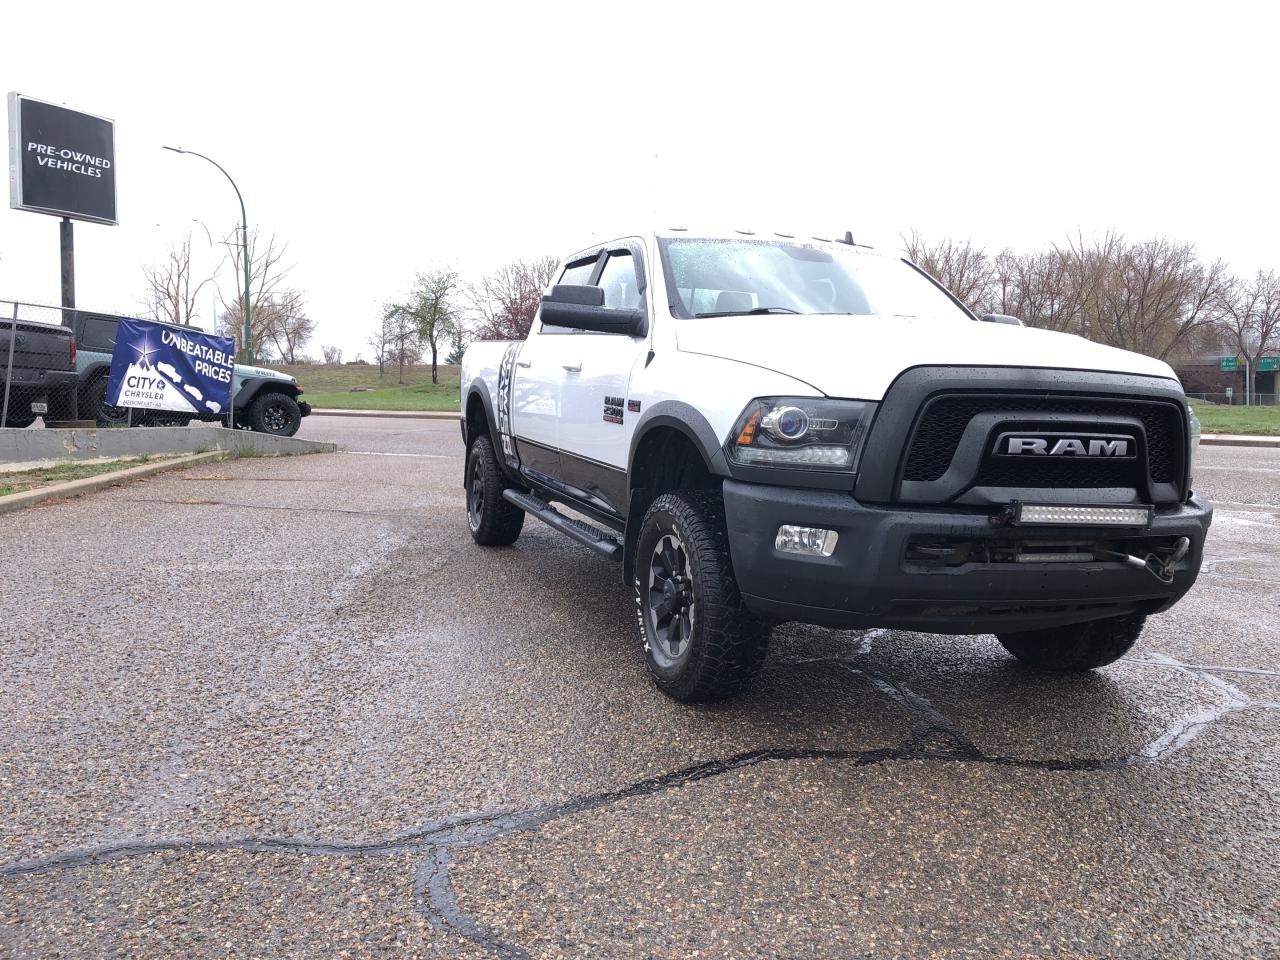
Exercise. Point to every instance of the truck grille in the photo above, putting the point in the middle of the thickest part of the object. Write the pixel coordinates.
(938, 433)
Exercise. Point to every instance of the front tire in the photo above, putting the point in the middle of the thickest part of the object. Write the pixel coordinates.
(494, 522)
(275, 413)
(701, 643)
(95, 403)
(1076, 647)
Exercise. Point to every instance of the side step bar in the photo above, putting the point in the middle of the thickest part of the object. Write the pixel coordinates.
(584, 533)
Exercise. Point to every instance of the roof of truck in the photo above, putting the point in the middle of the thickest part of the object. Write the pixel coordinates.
(718, 232)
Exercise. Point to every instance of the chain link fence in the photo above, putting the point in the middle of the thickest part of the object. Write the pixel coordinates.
(38, 366)
(54, 363)
(1235, 399)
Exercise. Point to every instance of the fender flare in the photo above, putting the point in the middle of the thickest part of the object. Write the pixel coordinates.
(687, 420)
(98, 367)
(690, 423)
(251, 387)
(479, 388)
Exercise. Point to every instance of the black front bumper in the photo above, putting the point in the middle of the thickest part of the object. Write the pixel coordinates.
(304, 408)
(869, 582)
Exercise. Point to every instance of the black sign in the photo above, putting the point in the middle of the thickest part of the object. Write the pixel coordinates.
(61, 162)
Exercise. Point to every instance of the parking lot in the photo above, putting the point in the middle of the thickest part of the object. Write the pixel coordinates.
(287, 708)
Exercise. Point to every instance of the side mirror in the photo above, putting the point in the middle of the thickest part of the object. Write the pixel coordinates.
(1001, 318)
(582, 308)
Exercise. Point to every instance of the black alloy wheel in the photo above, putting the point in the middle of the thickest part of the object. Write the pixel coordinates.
(475, 493)
(669, 600)
(274, 417)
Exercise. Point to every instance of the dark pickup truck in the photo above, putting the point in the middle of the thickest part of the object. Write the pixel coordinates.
(37, 373)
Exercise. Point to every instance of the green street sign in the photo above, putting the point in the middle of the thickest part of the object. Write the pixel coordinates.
(1236, 363)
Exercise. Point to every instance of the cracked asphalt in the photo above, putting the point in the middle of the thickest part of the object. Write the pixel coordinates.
(276, 708)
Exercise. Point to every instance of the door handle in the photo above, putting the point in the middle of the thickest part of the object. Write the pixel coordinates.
(524, 363)
(573, 367)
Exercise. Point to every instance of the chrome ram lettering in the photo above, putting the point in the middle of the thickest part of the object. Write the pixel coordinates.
(1066, 446)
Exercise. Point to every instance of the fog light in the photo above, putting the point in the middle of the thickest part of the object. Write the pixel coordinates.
(1046, 514)
(811, 540)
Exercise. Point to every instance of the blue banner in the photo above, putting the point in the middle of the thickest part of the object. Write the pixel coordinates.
(160, 367)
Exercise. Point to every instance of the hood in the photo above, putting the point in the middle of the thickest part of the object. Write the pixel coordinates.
(243, 370)
(859, 356)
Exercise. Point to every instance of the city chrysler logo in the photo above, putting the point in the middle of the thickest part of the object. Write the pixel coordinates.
(1064, 445)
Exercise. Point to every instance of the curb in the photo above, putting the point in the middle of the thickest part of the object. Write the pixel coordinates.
(74, 488)
(1230, 440)
(392, 414)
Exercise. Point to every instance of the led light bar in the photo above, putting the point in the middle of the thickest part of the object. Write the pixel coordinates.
(1063, 515)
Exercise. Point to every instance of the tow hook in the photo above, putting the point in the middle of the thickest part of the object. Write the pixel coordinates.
(1160, 567)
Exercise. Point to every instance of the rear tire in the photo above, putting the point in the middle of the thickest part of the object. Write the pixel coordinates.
(1076, 647)
(275, 413)
(701, 643)
(494, 522)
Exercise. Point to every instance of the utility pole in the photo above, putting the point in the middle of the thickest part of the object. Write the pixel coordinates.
(244, 242)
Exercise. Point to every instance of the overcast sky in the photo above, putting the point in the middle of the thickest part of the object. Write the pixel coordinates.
(377, 140)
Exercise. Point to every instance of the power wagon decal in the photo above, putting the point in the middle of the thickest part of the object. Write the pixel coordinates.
(505, 370)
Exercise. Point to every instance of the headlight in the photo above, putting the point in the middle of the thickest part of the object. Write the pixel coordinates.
(800, 432)
(1193, 442)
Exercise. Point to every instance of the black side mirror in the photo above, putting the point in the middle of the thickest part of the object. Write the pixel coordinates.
(1001, 318)
(582, 307)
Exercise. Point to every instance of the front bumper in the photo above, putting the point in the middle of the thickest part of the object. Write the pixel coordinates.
(869, 581)
(304, 408)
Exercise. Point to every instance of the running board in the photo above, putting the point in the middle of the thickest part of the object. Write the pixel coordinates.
(584, 533)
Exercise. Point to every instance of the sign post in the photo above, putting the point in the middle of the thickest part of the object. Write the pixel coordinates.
(62, 163)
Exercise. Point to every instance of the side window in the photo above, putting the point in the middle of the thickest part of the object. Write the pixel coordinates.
(579, 273)
(99, 334)
(618, 280)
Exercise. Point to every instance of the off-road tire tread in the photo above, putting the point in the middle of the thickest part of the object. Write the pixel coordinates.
(259, 402)
(501, 521)
(1075, 647)
(729, 643)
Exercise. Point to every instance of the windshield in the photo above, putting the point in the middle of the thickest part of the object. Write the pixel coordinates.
(707, 278)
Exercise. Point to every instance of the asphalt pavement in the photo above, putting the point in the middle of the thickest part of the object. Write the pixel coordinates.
(269, 708)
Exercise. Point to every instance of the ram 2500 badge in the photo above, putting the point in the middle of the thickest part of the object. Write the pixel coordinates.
(764, 428)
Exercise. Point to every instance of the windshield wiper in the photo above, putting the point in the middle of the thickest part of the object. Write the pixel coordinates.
(746, 313)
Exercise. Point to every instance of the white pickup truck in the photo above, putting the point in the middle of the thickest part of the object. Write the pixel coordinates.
(766, 427)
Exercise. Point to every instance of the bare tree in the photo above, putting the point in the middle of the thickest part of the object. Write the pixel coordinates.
(1150, 297)
(1044, 289)
(433, 309)
(267, 272)
(402, 332)
(381, 341)
(171, 298)
(332, 355)
(1250, 320)
(284, 324)
(505, 301)
(959, 266)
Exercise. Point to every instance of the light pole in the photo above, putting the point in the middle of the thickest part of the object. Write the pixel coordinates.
(244, 241)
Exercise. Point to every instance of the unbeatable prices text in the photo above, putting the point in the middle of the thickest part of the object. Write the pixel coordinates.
(207, 362)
